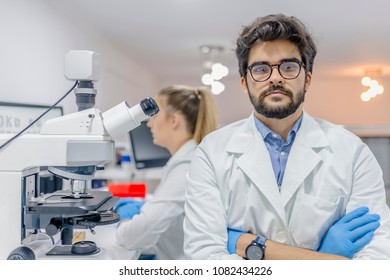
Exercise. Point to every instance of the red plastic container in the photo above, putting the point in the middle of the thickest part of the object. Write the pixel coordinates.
(128, 189)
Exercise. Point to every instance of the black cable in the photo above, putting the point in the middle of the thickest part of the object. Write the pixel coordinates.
(37, 119)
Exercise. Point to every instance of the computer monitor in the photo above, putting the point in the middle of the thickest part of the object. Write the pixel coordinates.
(145, 153)
(16, 116)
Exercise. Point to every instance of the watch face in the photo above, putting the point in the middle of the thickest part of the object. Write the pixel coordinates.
(254, 252)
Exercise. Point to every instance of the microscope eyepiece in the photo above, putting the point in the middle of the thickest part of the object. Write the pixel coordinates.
(122, 118)
(149, 106)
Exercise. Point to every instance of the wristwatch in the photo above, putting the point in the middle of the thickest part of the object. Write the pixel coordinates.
(256, 250)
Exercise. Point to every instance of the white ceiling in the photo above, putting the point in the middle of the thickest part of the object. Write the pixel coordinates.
(165, 35)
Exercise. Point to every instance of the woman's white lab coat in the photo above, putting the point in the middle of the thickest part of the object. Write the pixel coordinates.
(160, 223)
(232, 184)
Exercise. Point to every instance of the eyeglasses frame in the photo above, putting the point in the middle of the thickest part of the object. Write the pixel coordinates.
(300, 63)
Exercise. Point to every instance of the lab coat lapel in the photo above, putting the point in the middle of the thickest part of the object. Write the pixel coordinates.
(255, 162)
(303, 157)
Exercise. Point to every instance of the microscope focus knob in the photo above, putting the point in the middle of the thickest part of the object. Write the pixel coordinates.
(52, 229)
(22, 253)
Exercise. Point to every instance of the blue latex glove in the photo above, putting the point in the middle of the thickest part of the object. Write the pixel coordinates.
(128, 207)
(233, 236)
(128, 200)
(351, 233)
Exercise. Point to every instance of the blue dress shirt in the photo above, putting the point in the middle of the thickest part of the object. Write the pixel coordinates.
(278, 148)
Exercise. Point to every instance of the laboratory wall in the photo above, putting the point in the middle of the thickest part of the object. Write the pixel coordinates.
(337, 99)
(34, 40)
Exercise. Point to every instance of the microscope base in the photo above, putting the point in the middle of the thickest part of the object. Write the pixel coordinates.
(82, 248)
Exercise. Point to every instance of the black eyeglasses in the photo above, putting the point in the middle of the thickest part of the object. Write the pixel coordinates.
(289, 70)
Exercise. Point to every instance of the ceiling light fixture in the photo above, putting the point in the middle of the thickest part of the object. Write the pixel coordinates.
(372, 79)
(213, 69)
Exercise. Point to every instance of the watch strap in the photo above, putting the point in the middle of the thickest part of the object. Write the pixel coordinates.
(260, 239)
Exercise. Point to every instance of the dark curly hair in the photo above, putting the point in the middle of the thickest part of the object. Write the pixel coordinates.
(275, 27)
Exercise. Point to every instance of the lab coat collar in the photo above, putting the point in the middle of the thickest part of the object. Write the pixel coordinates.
(244, 137)
(312, 132)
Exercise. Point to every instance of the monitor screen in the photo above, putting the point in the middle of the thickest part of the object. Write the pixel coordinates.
(16, 116)
(145, 153)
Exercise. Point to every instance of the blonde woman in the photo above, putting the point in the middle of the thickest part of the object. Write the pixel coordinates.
(186, 115)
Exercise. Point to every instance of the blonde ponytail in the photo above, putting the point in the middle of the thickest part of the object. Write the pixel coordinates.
(207, 116)
(197, 106)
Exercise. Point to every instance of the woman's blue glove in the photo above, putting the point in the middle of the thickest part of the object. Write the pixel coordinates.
(128, 200)
(351, 233)
(128, 207)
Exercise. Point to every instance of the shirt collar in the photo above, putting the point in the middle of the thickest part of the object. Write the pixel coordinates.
(265, 131)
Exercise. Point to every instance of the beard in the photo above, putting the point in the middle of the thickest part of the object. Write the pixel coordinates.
(278, 111)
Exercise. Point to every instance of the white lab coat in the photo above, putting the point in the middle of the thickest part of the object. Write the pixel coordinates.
(160, 223)
(232, 184)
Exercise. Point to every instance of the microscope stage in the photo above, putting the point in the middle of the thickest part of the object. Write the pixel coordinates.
(62, 202)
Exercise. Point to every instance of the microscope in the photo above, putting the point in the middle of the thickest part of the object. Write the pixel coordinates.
(72, 147)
